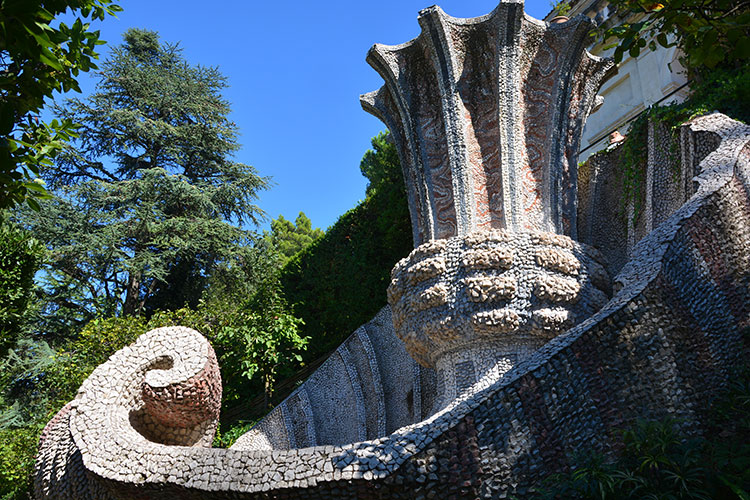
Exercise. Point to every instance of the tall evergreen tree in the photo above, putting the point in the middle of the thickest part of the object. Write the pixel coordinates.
(20, 257)
(150, 198)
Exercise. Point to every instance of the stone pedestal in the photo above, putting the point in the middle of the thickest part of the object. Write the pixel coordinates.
(472, 306)
(487, 115)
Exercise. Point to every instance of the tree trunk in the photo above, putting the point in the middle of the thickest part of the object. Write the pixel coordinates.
(132, 296)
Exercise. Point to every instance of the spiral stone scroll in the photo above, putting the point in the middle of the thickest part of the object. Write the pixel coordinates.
(165, 389)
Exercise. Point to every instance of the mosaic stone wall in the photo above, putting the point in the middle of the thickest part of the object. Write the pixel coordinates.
(663, 345)
(368, 388)
(602, 219)
(608, 224)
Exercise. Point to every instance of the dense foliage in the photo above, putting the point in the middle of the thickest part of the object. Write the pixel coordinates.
(147, 233)
(37, 60)
(17, 450)
(339, 282)
(145, 221)
(265, 337)
(707, 32)
(20, 257)
(287, 238)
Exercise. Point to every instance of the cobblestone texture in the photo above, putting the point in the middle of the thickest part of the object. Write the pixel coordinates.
(527, 360)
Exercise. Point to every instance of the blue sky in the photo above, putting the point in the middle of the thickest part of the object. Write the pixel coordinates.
(295, 72)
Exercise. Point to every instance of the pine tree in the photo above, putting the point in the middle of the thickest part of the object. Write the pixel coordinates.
(150, 199)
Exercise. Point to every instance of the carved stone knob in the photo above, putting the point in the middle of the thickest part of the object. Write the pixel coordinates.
(471, 306)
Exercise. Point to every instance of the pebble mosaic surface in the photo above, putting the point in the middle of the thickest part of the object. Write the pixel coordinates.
(473, 305)
(662, 346)
(526, 360)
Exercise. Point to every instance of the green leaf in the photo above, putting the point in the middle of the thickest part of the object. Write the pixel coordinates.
(33, 204)
(44, 15)
(618, 55)
(742, 49)
(33, 186)
(48, 58)
(41, 38)
(7, 118)
(736, 489)
(710, 39)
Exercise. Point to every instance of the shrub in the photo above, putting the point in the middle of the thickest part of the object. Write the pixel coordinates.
(17, 451)
(708, 33)
(20, 258)
(227, 438)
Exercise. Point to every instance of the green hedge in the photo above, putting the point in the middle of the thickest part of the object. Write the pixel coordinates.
(339, 282)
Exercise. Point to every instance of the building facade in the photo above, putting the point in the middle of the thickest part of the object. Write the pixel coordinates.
(652, 77)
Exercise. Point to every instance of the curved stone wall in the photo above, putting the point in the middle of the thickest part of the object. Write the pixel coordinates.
(664, 345)
(368, 388)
